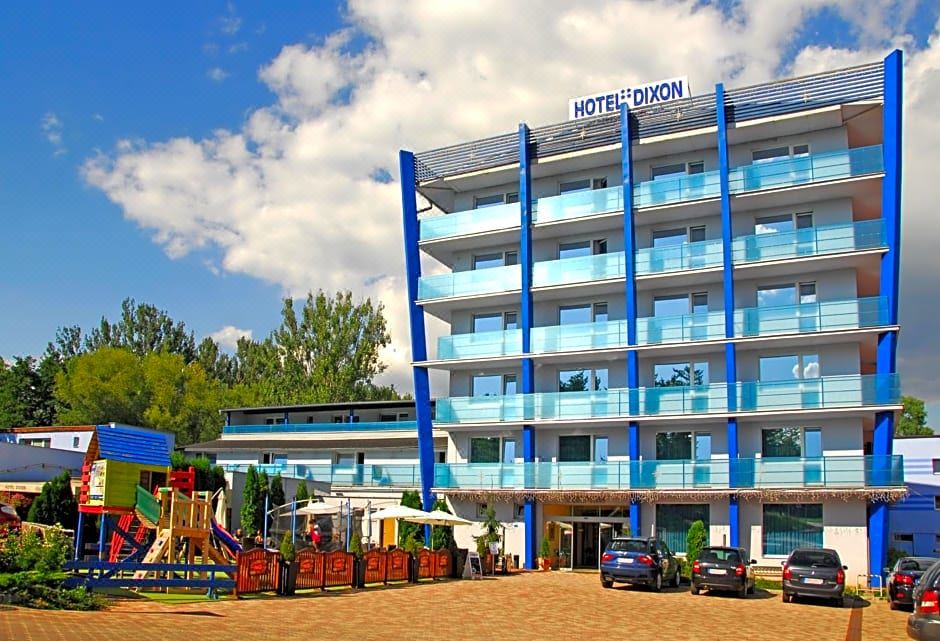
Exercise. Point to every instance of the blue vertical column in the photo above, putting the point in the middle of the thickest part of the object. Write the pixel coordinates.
(633, 367)
(731, 368)
(526, 322)
(886, 364)
(419, 351)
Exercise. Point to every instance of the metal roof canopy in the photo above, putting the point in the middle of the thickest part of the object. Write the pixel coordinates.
(129, 444)
(863, 82)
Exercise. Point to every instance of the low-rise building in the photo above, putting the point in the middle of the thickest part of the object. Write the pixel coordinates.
(915, 521)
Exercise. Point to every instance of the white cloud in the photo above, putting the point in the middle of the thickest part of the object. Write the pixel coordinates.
(228, 336)
(52, 128)
(288, 198)
(217, 74)
(230, 23)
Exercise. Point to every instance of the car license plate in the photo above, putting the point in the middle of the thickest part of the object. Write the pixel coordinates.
(717, 571)
(812, 581)
(625, 560)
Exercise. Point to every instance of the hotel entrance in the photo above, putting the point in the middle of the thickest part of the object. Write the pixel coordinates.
(582, 535)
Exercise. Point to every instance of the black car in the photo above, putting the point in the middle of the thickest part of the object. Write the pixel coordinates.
(904, 576)
(924, 623)
(639, 561)
(814, 572)
(723, 568)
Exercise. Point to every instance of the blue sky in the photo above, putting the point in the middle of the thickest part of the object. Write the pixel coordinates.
(212, 157)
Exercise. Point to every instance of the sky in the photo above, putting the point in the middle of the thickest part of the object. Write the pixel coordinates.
(212, 158)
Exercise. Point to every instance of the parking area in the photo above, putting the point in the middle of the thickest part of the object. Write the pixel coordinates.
(527, 606)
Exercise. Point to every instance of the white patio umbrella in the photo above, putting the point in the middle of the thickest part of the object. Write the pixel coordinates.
(439, 517)
(316, 508)
(398, 512)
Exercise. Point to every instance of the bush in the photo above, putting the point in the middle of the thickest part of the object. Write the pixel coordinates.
(545, 551)
(55, 505)
(287, 546)
(696, 539)
(406, 530)
(491, 529)
(208, 476)
(441, 535)
(355, 544)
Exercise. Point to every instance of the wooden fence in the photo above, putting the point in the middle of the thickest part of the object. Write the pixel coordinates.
(433, 565)
(258, 571)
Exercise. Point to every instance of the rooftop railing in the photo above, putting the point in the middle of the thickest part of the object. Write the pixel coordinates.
(304, 428)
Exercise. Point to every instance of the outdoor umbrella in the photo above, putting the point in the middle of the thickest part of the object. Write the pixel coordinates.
(439, 517)
(398, 512)
(315, 508)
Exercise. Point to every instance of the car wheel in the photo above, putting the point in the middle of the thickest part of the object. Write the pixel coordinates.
(658, 582)
(837, 602)
(694, 589)
(742, 592)
(786, 597)
(607, 583)
(893, 604)
(677, 579)
(751, 589)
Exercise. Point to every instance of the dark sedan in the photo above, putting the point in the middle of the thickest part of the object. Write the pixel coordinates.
(904, 576)
(814, 572)
(643, 561)
(924, 623)
(725, 569)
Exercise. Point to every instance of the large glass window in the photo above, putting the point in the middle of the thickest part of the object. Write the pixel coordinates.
(574, 448)
(484, 449)
(680, 374)
(781, 442)
(673, 523)
(582, 185)
(674, 446)
(487, 384)
(574, 250)
(665, 306)
(791, 525)
(485, 261)
(582, 380)
(487, 323)
(786, 294)
(790, 367)
(574, 314)
(669, 237)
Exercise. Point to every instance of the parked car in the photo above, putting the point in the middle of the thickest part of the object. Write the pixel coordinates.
(639, 561)
(814, 572)
(8, 516)
(924, 623)
(723, 568)
(904, 576)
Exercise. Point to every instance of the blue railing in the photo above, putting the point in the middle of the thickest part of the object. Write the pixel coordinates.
(682, 257)
(480, 345)
(812, 241)
(473, 221)
(321, 427)
(582, 269)
(470, 283)
(368, 475)
(811, 317)
(829, 392)
(802, 170)
(823, 472)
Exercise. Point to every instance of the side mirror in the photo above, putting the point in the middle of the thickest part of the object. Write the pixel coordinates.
(753, 561)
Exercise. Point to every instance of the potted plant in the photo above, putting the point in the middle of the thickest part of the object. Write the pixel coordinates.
(545, 554)
(288, 564)
(490, 535)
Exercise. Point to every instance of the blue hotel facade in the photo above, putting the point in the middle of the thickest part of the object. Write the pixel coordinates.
(684, 311)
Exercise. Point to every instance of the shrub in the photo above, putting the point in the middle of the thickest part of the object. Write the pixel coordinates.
(287, 546)
(408, 530)
(545, 551)
(355, 544)
(441, 536)
(696, 539)
(491, 529)
(55, 504)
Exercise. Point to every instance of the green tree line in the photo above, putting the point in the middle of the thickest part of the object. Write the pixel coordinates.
(145, 368)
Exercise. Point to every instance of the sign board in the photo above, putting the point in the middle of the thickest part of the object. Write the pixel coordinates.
(494, 548)
(651, 93)
(474, 566)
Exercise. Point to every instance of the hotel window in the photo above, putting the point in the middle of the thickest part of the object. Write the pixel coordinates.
(493, 384)
(677, 169)
(788, 368)
(481, 510)
(673, 523)
(582, 448)
(582, 248)
(495, 200)
(680, 305)
(781, 223)
(680, 236)
(577, 314)
(786, 294)
(678, 446)
(794, 442)
(37, 442)
(777, 153)
(75, 442)
(495, 322)
(936, 465)
(584, 184)
(791, 525)
(680, 374)
(518, 510)
(904, 538)
(936, 502)
(495, 259)
(583, 380)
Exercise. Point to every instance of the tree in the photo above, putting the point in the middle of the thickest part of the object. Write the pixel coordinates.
(107, 385)
(209, 477)
(143, 328)
(182, 398)
(913, 421)
(249, 515)
(696, 539)
(407, 530)
(55, 503)
(441, 536)
(302, 492)
(491, 529)
(19, 393)
(277, 491)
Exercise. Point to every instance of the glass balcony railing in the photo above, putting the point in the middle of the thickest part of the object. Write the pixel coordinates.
(397, 475)
(673, 258)
(823, 472)
(703, 326)
(802, 170)
(283, 428)
(470, 283)
(811, 317)
(591, 202)
(473, 221)
(669, 190)
(480, 345)
(582, 269)
(579, 336)
(813, 241)
(829, 392)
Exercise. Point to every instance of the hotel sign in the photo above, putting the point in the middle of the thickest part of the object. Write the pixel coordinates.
(651, 93)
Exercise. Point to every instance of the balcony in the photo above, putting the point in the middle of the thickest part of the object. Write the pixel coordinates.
(805, 170)
(473, 221)
(307, 428)
(671, 190)
(825, 393)
(756, 473)
(813, 241)
(673, 258)
(591, 202)
(480, 345)
(811, 317)
(397, 475)
(582, 269)
(470, 283)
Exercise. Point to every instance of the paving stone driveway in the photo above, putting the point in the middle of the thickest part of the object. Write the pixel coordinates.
(528, 606)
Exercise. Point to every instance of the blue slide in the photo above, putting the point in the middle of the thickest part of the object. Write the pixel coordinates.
(227, 539)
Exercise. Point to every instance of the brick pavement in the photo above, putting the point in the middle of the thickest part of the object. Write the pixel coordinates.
(530, 606)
